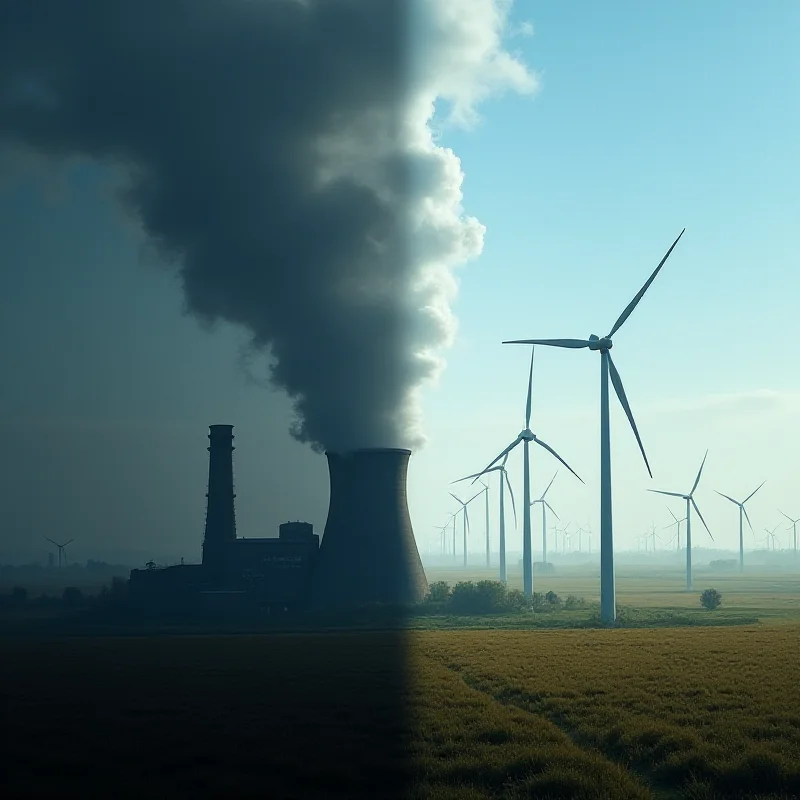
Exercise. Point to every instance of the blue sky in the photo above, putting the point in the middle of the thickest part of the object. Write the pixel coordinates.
(648, 118)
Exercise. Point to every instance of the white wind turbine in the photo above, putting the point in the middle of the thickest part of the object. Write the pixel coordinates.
(608, 609)
(742, 517)
(545, 505)
(504, 481)
(486, 496)
(465, 520)
(678, 523)
(793, 529)
(771, 537)
(690, 502)
(527, 436)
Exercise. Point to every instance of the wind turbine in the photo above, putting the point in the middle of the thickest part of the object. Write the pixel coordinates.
(608, 609)
(527, 436)
(545, 505)
(443, 535)
(771, 537)
(465, 519)
(793, 528)
(504, 481)
(581, 530)
(60, 549)
(678, 523)
(742, 515)
(486, 496)
(689, 503)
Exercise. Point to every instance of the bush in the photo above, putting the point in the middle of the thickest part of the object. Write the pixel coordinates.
(711, 599)
(573, 603)
(553, 600)
(19, 595)
(438, 592)
(72, 597)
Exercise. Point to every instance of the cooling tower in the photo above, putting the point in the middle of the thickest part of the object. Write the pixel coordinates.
(368, 552)
(220, 515)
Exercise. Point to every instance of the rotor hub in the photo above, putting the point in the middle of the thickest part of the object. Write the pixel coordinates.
(596, 343)
(527, 435)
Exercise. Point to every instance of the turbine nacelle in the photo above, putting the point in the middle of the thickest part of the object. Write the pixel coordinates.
(596, 343)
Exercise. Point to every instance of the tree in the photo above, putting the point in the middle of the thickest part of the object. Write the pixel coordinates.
(72, 596)
(711, 599)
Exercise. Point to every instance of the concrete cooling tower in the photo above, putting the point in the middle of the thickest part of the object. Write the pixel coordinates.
(368, 552)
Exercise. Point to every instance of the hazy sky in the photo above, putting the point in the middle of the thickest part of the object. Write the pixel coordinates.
(646, 120)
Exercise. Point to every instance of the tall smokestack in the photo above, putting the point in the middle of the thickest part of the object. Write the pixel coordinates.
(220, 515)
(368, 552)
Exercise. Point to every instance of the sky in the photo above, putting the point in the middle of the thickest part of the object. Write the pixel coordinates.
(645, 119)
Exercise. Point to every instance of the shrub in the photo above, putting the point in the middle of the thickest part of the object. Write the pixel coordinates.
(573, 603)
(711, 599)
(19, 595)
(438, 592)
(553, 600)
(516, 600)
(72, 596)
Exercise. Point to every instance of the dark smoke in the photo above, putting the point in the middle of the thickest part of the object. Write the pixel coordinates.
(277, 153)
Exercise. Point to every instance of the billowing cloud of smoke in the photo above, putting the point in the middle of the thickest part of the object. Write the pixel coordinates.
(280, 155)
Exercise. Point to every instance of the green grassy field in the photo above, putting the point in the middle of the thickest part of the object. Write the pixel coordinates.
(668, 712)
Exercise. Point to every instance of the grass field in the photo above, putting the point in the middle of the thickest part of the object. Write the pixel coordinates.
(604, 713)
(668, 712)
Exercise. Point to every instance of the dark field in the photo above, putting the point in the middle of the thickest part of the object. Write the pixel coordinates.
(697, 713)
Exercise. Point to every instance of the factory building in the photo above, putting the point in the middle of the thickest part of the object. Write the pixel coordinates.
(368, 552)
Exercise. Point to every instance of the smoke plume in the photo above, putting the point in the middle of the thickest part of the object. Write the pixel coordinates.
(281, 156)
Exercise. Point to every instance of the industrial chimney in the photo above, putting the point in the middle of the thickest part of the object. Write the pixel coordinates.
(220, 515)
(368, 552)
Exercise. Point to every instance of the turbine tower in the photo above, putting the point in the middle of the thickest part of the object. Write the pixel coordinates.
(545, 505)
(504, 481)
(465, 519)
(690, 502)
(793, 529)
(607, 589)
(61, 552)
(527, 436)
(742, 517)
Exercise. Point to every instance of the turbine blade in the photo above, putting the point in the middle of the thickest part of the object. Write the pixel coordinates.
(673, 516)
(671, 494)
(550, 450)
(574, 344)
(619, 389)
(494, 461)
(735, 502)
(474, 496)
(476, 475)
(746, 517)
(752, 493)
(457, 498)
(52, 542)
(530, 394)
(552, 509)
(701, 517)
(511, 492)
(548, 486)
(69, 542)
(629, 310)
(699, 473)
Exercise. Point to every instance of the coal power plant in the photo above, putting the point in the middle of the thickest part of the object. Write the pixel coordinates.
(367, 555)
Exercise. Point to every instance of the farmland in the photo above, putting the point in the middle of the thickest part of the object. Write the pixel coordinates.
(700, 713)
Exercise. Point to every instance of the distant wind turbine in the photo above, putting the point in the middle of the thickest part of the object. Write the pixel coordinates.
(690, 502)
(678, 523)
(465, 512)
(545, 505)
(608, 609)
(486, 496)
(792, 528)
(61, 552)
(742, 517)
(504, 481)
(527, 436)
(771, 537)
